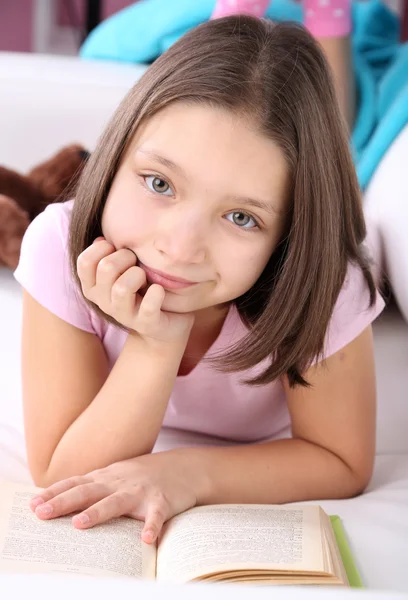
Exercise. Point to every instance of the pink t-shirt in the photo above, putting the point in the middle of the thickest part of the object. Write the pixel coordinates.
(205, 400)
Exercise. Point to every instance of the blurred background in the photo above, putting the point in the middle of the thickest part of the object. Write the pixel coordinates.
(58, 92)
(60, 26)
(51, 26)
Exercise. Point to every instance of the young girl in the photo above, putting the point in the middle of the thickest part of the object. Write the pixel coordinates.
(215, 240)
(330, 22)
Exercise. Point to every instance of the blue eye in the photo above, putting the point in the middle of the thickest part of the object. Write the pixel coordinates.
(158, 185)
(242, 220)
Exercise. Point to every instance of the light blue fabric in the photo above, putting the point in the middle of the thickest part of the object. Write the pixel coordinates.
(391, 117)
(143, 31)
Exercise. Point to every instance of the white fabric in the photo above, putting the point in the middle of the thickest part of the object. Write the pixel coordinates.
(66, 587)
(46, 103)
(386, 209)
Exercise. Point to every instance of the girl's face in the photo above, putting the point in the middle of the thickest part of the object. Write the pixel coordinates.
(200, 196)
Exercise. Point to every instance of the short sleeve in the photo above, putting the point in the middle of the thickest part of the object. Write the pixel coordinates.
(352, 312)
(44, 271)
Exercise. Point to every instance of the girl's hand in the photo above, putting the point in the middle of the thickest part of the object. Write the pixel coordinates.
(111, 279)
(151, 488)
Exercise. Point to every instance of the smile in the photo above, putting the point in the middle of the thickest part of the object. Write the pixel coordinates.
(167, 281)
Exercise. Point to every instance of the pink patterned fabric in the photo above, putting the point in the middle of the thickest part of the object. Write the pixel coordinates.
(224, 8)
(327, 18)
(323, 18)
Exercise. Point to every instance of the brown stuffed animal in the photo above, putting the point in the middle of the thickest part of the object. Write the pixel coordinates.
(23, 197)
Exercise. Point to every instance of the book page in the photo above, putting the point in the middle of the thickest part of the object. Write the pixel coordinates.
(333, 550)
(210, 539)
(29, 544)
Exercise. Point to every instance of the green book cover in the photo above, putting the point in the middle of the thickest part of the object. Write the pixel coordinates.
(345, 553)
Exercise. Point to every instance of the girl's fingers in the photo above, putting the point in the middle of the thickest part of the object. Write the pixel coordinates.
(149, 310)
(74, 499)
(109, 269)
(154, 521)
(56, 489)
(114, 506)
(124, 290)
(88, 261)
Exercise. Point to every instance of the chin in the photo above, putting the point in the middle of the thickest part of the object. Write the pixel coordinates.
(180, 304)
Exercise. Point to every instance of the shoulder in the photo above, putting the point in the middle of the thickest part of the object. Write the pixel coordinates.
(49, 229)
(44, 266)
(352, 312)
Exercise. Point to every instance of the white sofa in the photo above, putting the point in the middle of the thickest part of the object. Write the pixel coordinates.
(47, 102)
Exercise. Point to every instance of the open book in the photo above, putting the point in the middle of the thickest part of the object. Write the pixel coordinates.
(262, 544)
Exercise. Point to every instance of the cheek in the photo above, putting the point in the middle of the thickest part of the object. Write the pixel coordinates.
(243, 268)
(128, 217)
(253, 262)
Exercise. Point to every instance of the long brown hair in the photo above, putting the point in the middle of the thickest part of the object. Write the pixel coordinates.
(276, 75)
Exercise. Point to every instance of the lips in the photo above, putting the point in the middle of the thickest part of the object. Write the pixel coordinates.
(167, 281)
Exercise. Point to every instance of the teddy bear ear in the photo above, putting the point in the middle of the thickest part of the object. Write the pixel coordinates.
(53, 177)
(24, 192)
(13, 224)
(84, 154)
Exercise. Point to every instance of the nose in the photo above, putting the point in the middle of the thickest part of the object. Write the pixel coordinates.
(182, 239)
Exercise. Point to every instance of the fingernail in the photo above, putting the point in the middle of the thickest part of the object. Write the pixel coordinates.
(36, 501)
(81, 519)
(44, 509)
(148, 536)
(98, 239)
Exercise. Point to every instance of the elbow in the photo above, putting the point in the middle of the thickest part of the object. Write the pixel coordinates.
(43, 470)
(43, 475)
(361, 470)
(350, 475)
(348, 486)
(356, 481)
(359, 483)
(38, 473)
(40, 480)
(43, 479)
(352, 489)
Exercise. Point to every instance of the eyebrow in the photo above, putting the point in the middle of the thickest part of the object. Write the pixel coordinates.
(166, 162)
(271, 210)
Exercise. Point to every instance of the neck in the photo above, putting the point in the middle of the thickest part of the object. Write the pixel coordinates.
(210, 318)
(207, 327)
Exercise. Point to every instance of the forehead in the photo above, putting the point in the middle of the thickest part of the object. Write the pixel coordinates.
(216, 152)
(201, 138)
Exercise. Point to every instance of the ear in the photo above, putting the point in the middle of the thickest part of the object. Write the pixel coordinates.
(13, 224)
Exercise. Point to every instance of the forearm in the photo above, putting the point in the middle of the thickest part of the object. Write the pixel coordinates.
(271, 473)
(124, 419)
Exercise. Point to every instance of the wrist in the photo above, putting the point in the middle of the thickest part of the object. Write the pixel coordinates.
(197, 471)
(160, 348)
